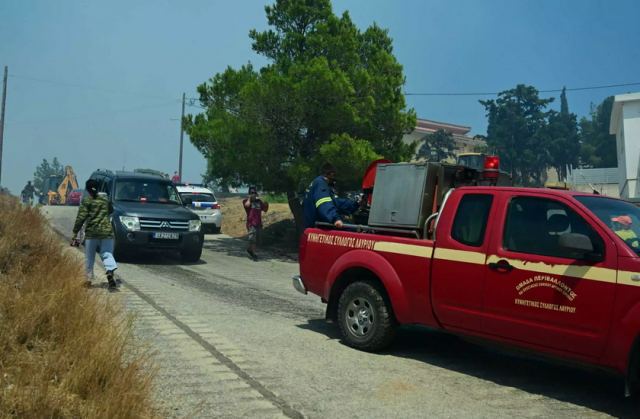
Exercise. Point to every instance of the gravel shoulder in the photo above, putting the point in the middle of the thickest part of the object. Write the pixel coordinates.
(233, 339)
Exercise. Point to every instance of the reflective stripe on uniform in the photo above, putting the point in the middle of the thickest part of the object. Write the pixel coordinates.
(322, 201)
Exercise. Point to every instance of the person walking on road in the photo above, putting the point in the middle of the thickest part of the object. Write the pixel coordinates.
(27, 193)
(321, 202)
(254, 207)
(94, 211)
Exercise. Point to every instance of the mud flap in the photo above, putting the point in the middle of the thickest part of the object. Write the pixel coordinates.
(332, 311)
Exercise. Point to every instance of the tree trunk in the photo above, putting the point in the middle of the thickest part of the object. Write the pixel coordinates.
(296, 209)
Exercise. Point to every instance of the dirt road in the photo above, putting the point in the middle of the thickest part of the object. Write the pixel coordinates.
(233, 339)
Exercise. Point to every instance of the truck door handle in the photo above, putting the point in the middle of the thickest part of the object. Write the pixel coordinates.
(501, 266)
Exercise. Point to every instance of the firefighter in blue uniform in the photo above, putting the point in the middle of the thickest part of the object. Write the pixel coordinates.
(321, 202)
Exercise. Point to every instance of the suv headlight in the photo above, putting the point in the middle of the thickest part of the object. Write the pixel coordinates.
(130, 223)
(194, 225)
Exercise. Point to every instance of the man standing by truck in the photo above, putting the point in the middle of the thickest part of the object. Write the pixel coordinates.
(321, 202)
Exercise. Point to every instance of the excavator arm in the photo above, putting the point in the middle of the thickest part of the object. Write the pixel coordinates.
(68, 184)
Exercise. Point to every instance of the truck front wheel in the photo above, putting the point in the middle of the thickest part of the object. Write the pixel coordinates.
(365, 317)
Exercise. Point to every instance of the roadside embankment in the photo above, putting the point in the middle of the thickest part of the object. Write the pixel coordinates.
(65, 351)
(279, 232)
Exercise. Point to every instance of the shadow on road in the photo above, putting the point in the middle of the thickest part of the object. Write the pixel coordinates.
(142, 257)
(322, 326)
(593, 389)
(238, 247)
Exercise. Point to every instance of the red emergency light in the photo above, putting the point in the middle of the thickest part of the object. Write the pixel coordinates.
(491, 168)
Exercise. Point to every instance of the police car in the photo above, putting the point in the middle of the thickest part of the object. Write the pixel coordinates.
(203, 202)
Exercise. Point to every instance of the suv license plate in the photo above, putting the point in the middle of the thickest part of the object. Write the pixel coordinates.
(170, 236)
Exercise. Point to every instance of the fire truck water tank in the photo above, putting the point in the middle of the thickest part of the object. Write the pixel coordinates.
(403, 194)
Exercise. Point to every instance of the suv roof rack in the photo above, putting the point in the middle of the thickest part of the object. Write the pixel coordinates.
(152, 172)
(103, 171)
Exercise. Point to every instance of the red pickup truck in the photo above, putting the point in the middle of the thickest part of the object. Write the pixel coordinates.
(556, 272)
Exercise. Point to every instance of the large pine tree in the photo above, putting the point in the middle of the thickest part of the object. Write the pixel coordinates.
(330, 92)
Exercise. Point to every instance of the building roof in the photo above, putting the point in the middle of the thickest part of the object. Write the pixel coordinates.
(428, 126)
(616, 112)
(459, 133)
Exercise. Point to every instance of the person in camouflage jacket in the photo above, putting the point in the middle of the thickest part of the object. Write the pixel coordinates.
(94, 214)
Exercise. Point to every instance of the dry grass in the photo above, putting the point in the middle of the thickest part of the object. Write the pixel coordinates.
(65, 351)
(234, 217)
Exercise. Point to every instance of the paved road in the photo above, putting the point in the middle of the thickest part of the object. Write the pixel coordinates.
(233, 339)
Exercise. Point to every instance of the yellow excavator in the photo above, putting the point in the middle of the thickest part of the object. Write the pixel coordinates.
(58, 190)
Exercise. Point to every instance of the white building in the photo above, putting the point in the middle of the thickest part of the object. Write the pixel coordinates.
(603, 180)
(625, 124)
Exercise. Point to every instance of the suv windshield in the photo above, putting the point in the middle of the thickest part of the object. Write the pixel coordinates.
(144, 190)
(198, 197)
(623, 218)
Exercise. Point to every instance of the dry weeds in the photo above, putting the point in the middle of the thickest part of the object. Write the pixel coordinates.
(65, 351)
(279, 232)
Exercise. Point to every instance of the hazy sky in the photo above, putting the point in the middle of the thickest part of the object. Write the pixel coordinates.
(98, 83)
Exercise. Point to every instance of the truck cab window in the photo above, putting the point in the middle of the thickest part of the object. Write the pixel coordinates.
(623, 218)
(471, 219)
(534, 225)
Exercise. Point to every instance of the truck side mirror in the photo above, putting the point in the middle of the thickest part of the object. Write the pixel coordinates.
(187, 202)
(579, 246)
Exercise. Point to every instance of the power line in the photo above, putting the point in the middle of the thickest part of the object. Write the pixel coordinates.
(192, 102)
(100, 113)
(606, 86)
(87, 87)
(569, 89)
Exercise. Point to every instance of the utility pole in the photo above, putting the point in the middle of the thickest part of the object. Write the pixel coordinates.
(181, 137)
(4, 100)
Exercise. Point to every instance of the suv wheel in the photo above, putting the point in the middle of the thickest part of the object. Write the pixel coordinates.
(365, 317)
(191, 254)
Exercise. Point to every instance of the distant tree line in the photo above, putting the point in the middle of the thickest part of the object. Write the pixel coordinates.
(530, 138)
(44, 171)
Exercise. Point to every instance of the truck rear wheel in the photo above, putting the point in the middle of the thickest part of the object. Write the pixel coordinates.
(365, 317)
